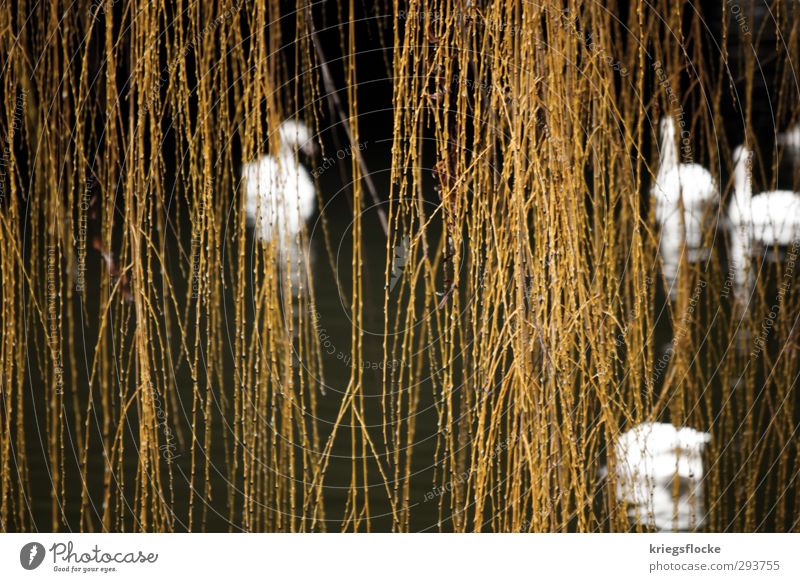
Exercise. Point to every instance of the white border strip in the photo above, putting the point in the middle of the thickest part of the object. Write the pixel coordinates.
(406, 558)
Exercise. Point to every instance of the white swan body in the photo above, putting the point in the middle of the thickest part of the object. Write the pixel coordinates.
(681, 229)
(659, 475)
(769, 218)
(279, 193)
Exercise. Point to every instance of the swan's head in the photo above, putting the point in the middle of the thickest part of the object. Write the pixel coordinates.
(295, 134)
(741, 154)
(667, 127)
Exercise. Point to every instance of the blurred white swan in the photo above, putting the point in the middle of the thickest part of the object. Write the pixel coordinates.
(659, 475)
(280, 195)
(692, 185)
(790, 139)
(766, 219)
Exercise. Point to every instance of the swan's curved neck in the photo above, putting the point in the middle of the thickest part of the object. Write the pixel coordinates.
(669, 150)
(743, 188)
(286, 151)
